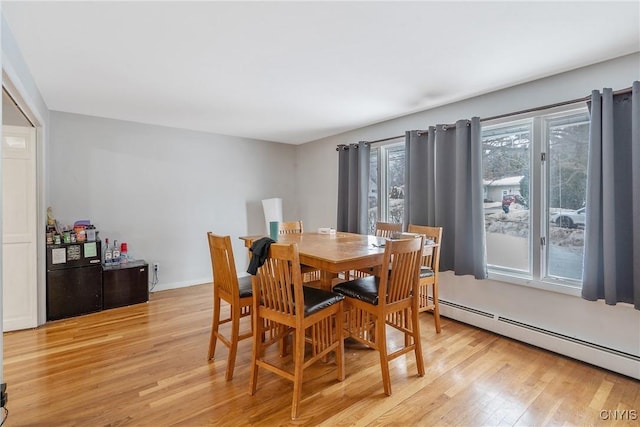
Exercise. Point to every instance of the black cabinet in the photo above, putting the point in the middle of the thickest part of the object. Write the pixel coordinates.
(73, 292)
(77, 282)
(125, 284)
(74, 279)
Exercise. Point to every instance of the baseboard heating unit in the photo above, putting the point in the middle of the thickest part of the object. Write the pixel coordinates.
(590, 352)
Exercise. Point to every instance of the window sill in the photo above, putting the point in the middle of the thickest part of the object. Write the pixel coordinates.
(557, 287)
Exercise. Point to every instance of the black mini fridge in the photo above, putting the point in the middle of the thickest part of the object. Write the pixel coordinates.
(125, 284)
(74, 279)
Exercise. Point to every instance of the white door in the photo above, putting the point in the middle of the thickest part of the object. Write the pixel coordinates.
(19, 239)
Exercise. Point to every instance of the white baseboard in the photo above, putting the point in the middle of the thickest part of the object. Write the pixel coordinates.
(176, 285)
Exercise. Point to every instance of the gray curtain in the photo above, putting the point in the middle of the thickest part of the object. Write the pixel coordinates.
(443, 187)
(353, 187)
(611, 268)
(420, 179)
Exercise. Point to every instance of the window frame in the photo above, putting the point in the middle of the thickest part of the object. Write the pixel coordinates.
(381, 179)
(538, 203)
(515, 122)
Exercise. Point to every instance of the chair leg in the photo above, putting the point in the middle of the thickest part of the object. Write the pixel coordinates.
(416, 341)
(436, 307)
(340, 338)
(282, 344)
(233, 348)
(406, 320)
(258, 339)
(298, 368)
(214, 327)
(381, 338)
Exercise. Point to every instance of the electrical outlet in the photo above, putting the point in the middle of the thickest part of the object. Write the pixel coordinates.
(156, 267)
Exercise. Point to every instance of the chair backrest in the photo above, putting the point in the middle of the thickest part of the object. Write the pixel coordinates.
(223, 266)
(386, 229)
(402, 258)
(291, 227)
(431, 258)
(279, 283)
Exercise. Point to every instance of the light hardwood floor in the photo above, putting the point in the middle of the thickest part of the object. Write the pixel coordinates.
(147, 365)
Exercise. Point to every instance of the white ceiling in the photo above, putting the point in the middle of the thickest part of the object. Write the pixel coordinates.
(297, 71)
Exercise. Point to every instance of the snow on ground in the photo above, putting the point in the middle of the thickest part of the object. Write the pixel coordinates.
(516, 223)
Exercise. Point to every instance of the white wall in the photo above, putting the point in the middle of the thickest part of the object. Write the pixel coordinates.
(161, 189)
(616, 327)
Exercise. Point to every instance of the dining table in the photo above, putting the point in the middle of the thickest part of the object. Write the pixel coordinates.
(334, 253)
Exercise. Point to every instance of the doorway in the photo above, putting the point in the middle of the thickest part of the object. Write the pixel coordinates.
(19, 219)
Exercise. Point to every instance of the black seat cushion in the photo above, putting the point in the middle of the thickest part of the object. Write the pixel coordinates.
(365, 289)
(244, 283)
(425, 272)
(317, 299)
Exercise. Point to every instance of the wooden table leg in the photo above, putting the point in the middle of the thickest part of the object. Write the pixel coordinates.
(326, 279)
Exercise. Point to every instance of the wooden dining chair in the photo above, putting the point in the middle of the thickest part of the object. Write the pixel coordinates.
(429, 271)
(383, 229)
(390, 299)
(309, 274)
(291, 227)
(234, 291)
(387, 229)
(283, 306)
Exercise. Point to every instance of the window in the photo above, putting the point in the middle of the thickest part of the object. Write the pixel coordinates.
(534, 180)
(568, 139)
(506, 158)
(386, 183)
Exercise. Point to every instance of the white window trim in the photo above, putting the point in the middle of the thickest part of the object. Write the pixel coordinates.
(514, 279)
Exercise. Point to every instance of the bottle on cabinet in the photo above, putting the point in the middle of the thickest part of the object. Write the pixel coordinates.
(124, 255)
(108, 252)
(116, 253)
